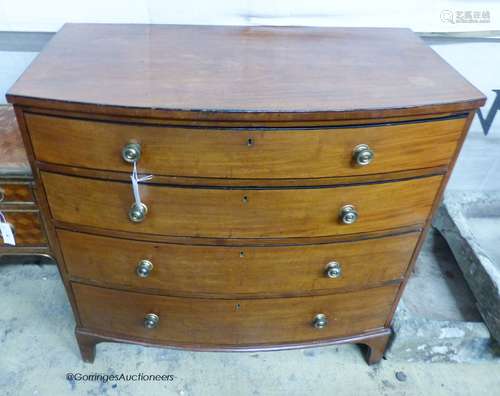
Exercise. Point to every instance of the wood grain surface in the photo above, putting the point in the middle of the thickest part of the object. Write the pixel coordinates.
(244, 153)
(242, 72)
(232, 322)
(243, 270)
(13, 158)
(249, 133)
(27, 226)
(240, 213)
(16, 192)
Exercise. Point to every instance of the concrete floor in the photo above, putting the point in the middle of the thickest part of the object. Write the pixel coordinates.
(37, 349)
(437, 289)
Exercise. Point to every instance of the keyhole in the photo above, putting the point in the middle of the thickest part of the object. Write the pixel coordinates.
(245, 199)
(242, 254)
(237, 307)
(250, 142)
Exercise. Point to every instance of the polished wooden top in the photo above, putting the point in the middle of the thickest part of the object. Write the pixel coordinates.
(234, 72)
(13, 159)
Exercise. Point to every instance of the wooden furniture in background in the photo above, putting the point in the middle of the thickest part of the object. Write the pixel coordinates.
(295, 172)
(17, 201)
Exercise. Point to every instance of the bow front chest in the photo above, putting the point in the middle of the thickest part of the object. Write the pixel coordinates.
(238, 188)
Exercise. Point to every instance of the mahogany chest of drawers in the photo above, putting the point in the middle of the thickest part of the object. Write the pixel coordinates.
(294, 173)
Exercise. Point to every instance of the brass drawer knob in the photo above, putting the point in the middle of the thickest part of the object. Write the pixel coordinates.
(151, 321)
(131, 152)
(136, 213)
(144, 268)
(2, 194)
(348, 214)
(333, 270)
(320, 321)
(363, 155)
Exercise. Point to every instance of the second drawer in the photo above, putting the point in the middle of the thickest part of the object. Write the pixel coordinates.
(241, 213)
(174, 268)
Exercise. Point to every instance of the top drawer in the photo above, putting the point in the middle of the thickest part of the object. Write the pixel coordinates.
(243, 153)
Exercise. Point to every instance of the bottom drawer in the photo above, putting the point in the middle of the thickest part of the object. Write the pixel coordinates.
(27, 228)
(218, 322)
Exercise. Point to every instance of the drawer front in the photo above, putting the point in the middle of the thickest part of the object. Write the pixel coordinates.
(235, 270)
(240, 213)
(27, 228)
(232, 322)
(15, 193)
(244, 153)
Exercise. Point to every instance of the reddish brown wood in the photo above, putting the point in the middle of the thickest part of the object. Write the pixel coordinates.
(189, 240)
(27, 227)
(232, 322)
(15, 192)
(91, 338)
(242, 73)
(13, 160)
(240, 213)
(376, 347)
(235, 271)
(279, 153)
(17, 201)
(248, 123)
(246, 78)
(247, 183)
(86, 344)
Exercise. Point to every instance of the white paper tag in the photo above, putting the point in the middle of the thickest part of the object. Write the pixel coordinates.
(135, 184)
(7, 235)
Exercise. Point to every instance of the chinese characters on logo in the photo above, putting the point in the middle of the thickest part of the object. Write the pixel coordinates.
(460, 16)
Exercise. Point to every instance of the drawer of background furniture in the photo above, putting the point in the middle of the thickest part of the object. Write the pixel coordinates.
(15, 193)
(245, 153)
(240, 213)
(170, 268)
(232, 322)
(27, 227)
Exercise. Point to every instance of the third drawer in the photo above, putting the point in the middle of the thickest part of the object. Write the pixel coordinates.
(231, 270)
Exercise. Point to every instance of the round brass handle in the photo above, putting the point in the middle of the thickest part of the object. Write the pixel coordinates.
(144, 268)
(348, 214)
(363, 155)
(320, 321)
(333, 270)
(131, 152)
(2, 194)
(151, 321)
(136, 213)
